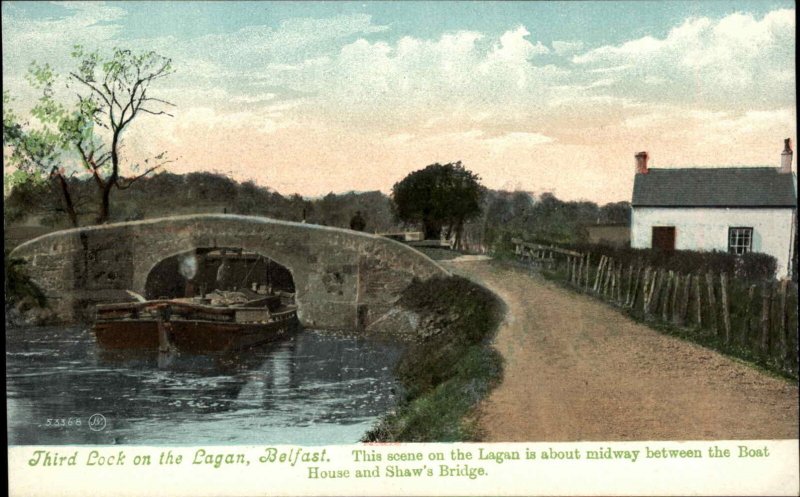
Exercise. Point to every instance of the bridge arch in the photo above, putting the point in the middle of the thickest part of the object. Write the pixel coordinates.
(205, 269)
(343, 279)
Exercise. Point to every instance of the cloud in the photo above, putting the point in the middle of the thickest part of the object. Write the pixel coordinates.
(517, 140)
(253, 99)
(26, 39)
(293, 40)
(737, 57)
(513, 46)
(413, 80)
(372, 104)
(567, 47)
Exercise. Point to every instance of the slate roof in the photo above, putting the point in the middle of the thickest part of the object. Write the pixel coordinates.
(715, 187)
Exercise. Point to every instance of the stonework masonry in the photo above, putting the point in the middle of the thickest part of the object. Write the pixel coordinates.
(343, 279)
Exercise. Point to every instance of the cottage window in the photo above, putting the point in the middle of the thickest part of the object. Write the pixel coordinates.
(740, 240)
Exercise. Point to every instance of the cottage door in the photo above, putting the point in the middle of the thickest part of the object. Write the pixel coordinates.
(663, 237)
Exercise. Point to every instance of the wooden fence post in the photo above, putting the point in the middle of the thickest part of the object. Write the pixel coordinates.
(675, 302)
(569, 266)
(783, 327)
(599, 271)
(629, 289)
(744, 337)
(574, 270)
(684, 307)
(588, 270)
(628, 286)
(609, 273)
(620, 270)
(657, 295)
(613, 284)
(648, 277)
(665, 300)
(726, 312)
(655, 285)
(612, 279)
(793, 352)
(585, 272)
(635, 289)
(572, 267)
(580, 269)
(698, 301)
(712, 304)
(765, 294)
(603, 273)
(774, 320)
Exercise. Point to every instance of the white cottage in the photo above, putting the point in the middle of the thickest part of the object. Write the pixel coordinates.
(732, 209)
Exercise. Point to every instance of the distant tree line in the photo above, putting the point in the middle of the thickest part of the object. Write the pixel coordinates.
(166, 194)
(500, 215)
(506, 215)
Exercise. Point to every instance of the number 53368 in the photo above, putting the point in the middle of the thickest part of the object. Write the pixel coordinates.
(62, 422)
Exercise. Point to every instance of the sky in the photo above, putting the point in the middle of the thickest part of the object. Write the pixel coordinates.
(318, 97)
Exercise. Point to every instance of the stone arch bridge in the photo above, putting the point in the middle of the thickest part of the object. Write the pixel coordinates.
(343, 279)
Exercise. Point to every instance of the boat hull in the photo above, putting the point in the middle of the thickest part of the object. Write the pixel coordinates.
(189, 336)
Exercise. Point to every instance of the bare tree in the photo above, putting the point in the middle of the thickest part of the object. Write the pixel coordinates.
(111, 92)
(118, 92)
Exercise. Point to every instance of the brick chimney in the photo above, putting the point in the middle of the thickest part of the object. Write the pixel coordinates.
(641, 163)
(786, 156)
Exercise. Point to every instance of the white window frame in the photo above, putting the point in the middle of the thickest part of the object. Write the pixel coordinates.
(740, 240)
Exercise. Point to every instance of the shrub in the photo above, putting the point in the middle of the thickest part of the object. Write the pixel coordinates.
(445, 374)
(751, 267)
(18, 286)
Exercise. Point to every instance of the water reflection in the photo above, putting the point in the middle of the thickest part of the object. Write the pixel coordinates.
(309, 389)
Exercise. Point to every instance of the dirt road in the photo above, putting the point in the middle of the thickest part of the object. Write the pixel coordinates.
(577, 369)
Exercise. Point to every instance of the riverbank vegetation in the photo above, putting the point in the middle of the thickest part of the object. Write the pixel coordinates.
(449, 371)
(25, 303)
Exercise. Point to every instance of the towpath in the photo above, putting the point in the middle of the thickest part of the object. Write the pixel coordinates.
(577, 369)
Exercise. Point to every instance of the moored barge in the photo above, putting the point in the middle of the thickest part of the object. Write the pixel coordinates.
(194, 325)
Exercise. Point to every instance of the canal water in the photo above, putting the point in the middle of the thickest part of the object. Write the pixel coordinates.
(310, 389)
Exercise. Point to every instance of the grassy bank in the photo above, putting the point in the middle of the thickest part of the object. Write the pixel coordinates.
(447, 373)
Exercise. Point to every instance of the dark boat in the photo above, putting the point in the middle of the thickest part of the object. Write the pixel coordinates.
(194, 324)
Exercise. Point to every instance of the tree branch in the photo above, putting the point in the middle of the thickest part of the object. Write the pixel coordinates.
(156, 113)
(148, 171)
(94, 89)
(151, 99)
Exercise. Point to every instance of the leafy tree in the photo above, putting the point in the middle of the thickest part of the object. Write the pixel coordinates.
(503, 212)
(38, 151)
(439, 196)
(112, 91)
(616, 212)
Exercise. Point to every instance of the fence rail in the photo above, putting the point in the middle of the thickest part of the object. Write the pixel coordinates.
(757, 319)
(540, 255)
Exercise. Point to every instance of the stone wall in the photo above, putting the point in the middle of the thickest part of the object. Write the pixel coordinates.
(343, 279)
